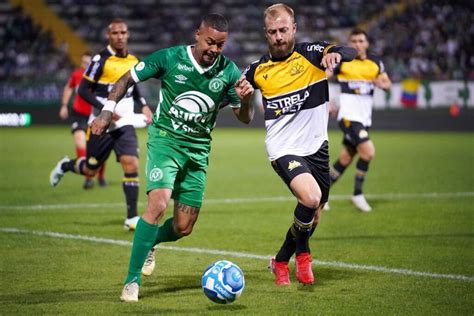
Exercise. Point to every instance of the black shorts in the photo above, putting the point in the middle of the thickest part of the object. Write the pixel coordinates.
(123, 141)
(79, 122)
(354, 134)
(317, 164)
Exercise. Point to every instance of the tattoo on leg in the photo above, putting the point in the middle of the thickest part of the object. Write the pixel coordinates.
(187, 209)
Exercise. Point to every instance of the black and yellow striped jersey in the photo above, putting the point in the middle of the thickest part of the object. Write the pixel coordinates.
(294, 94)
(355, 77)
(105, 70)
(296, 83)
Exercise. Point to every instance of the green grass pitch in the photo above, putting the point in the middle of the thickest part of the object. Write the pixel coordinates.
(413, 254)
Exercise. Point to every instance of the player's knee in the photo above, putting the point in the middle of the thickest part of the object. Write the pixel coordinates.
(183, 228)
(345, 160)
(367, 155)
(311, 200)
(129, 164)
(157, 207)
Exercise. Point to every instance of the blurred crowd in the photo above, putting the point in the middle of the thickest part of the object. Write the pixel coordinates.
(28, 53)
(429, 40)
(433, 40)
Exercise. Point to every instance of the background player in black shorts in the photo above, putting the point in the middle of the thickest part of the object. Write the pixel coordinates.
(81, 111)
(103, 72)
(358, 80)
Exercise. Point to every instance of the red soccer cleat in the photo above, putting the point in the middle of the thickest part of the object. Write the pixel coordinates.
(280, 270)
(304, 272)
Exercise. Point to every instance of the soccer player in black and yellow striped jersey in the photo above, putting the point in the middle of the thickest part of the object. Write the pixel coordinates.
(99, 78)
(295, 94)
(358, 80)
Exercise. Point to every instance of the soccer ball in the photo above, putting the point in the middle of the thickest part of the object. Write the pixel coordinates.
(223, 282)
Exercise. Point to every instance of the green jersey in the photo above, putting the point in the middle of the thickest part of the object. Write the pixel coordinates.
(190, 95)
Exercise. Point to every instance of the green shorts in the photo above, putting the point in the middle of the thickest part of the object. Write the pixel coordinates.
(181, 169)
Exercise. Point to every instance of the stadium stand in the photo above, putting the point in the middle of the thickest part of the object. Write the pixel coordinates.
(27, 51)
(429, 40)
(163, 23)
(420, 40)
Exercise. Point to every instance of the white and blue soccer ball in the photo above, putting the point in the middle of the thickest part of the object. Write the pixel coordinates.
(223, 282)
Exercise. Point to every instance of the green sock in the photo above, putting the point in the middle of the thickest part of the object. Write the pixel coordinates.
(166, 232)
(143, 240)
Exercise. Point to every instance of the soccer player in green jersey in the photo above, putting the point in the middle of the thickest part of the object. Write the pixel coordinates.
(195, 80)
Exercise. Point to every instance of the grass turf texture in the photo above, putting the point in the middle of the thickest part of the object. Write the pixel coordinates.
(42, 274)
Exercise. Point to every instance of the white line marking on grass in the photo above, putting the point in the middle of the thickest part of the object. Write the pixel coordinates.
(335, 264)
(333, 197)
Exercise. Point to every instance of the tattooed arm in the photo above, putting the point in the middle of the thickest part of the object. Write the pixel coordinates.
(102, 122)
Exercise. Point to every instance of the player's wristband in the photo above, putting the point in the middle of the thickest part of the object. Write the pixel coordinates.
(109, 106)
(143, 101)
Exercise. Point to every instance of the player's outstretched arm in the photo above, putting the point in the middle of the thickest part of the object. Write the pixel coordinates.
(383, 81)
(336, 54)
(103, 120)
(245, 91)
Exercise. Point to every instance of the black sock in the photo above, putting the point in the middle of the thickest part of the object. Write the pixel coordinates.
(362, 168)
(303, 223)
(289, 245)
(336, 171)
(74, 165)
(130, 186)
(288, 248)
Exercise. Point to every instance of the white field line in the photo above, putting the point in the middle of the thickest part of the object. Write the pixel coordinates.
(333, 197)
(335, 264)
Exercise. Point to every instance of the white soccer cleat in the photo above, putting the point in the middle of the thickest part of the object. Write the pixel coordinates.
(361, 203)
(149, 265)
(326, 207)
(131, 223)
(130, 292)
(57, 173)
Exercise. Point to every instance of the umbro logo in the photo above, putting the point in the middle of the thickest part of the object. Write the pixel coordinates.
(180, 79)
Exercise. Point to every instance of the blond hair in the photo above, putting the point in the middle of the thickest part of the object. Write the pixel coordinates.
(274, 11)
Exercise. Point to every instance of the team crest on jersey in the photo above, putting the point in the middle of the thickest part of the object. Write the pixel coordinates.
(293, 164)
(140, 66)
(296, 69)
(216, 85)
(155, 175)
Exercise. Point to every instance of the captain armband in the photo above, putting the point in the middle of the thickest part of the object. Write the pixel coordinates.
(326, 50)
